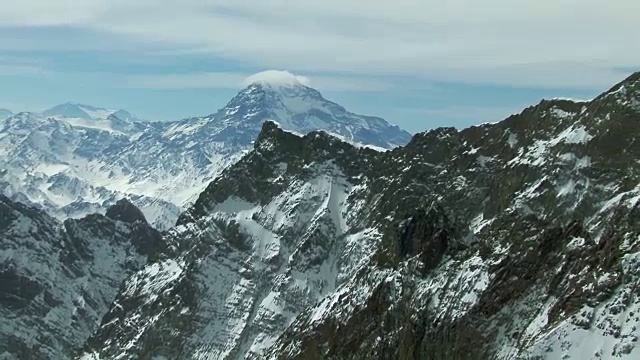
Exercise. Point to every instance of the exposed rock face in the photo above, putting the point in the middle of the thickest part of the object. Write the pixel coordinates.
(550, 263)
(427, 234)
(512, 240)
(125, 211)
(57, 280)
(515, 240)
(75, 159)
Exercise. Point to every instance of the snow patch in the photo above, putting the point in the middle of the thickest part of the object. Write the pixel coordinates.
(559, 113)
(484, 160)
(567, 188)
(537, 154)
(98, 124)
(184, 128)
(357, 144)
(153, 278)
(576, 243)
(579, 162)
(571, 99)
(478, 223)
(577, 135)
(512, 140)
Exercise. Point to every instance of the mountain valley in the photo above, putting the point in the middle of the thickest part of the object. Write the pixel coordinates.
(73, 159)
(294, 229)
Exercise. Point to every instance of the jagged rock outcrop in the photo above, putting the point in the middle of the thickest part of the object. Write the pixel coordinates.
(125, 211)
(549, 270)
(514, 240)
(510, 241)
(76, 159)
(57, 280)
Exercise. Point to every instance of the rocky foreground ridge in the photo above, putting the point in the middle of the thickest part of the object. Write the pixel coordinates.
(514, 240)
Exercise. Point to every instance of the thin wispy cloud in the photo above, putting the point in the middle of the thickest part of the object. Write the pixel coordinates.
(237, 80)
(175, 58)
(277, 77)
(422, 38)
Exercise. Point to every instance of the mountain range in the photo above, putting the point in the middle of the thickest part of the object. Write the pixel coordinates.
(86, 112)
(74, 159)
(512, 240)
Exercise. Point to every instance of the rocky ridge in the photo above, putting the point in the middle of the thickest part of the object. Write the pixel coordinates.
(514, 240)
(74, 159)
(57, 280)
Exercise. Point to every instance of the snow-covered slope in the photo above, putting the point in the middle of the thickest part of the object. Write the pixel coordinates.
(69, 166)
(532, 252)
(57, 279)
(86, 112)
(302, 109)
(237, 276)
(514, 240)
(79, 159)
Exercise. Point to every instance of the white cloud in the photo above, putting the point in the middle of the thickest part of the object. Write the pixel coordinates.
(277, 78)
(516, 42)
(48, 13)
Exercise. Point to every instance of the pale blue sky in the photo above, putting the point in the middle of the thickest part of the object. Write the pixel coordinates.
(420, 64)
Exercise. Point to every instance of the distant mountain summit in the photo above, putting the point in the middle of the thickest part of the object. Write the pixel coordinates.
(285, 99)
(512, 240)
(77, 159)
(87, 112)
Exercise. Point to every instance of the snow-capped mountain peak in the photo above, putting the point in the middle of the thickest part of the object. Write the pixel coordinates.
(75, 159)
(287, 100)
(86, 112)
(513, 240)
